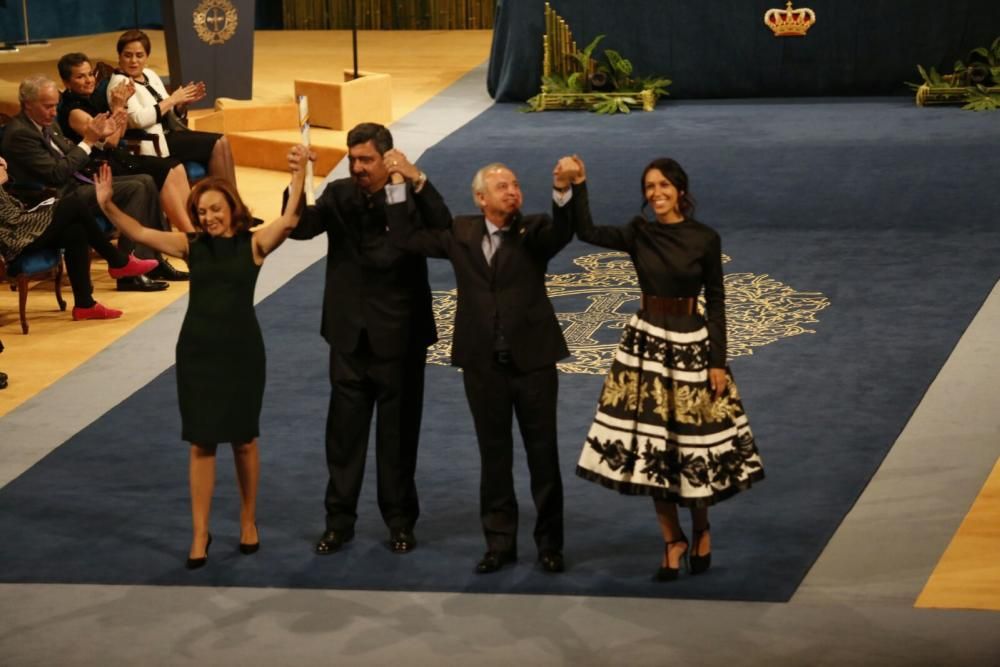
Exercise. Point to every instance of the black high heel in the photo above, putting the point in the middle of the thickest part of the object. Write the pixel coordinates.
(699, 564)
(667, 573)
(247, 549)
(195, 563)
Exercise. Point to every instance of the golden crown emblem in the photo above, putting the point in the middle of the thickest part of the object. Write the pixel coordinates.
(215, 21)
(789, 22)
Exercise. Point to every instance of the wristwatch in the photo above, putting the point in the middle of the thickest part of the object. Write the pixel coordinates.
(418, 182)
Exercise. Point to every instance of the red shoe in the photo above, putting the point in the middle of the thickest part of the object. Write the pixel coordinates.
(134, 267)
(96, 312)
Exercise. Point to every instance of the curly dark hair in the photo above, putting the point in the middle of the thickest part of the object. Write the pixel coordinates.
(68, 62)
(674, 173)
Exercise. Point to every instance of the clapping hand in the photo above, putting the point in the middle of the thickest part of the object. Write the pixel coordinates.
(120, 118)
(189, 93)
(99, 128)
(4, 177)
(121, 93)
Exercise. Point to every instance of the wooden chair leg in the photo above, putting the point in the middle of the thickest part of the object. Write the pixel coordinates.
(22, 301)
(59, 276)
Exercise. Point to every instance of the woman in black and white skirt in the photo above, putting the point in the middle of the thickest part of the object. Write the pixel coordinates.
(670, 423)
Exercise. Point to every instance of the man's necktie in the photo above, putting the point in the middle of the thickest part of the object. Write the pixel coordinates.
(496, 240)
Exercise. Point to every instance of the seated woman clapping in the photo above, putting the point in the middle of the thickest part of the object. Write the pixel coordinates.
(151, 109)
(76, 108)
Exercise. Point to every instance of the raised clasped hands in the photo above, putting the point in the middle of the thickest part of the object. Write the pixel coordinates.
(568, 170)
(397, 163)
(298, 156)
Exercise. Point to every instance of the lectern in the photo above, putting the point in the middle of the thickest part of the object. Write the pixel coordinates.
(211, 41)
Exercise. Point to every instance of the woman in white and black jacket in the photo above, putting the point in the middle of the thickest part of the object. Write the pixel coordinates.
(151, 109)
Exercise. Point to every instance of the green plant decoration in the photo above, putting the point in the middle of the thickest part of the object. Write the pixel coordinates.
(607, 87)
(974, 84)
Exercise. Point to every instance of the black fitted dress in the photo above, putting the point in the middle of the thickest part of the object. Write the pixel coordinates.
(220, 351)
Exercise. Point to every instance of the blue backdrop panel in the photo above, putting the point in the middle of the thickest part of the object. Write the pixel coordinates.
(723, 49)
(877, 206)
(68, 18)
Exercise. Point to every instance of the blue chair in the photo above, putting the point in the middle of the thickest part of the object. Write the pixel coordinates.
(34, 265)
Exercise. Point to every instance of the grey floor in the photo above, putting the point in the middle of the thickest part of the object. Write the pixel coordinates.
(855, 607)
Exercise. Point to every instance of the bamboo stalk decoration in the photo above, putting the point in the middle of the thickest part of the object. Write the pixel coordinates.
(558, 46)
(563, 90)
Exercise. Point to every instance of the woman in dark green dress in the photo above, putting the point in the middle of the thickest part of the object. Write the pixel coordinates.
(220, 352)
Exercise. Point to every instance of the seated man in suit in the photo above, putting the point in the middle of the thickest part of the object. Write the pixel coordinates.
(507, 341)
(37, 151)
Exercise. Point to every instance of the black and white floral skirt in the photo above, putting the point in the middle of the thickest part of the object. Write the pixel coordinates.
(658, 431)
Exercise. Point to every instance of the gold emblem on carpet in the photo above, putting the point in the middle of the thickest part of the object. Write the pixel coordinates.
(215, 21)
(590, 306)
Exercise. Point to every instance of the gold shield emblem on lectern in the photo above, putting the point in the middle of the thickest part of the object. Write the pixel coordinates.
(215, 21)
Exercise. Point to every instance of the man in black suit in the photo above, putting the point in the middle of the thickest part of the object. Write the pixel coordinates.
(37, 152)
(507, 342)
(378, 321)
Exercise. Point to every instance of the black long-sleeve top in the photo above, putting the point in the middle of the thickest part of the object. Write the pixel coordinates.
(671, 260)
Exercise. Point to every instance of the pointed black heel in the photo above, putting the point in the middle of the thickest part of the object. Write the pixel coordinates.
(699, 564)
(246, 548)
(195, 563)
(667, 573)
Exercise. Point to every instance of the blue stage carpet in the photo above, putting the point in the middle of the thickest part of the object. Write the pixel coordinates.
(875, 219)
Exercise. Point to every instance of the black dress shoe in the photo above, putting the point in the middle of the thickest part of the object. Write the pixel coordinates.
(166, 271)
(3, 380)
(552, 561)
(248, 548)
(494, 560)
(402, 540)
(332, 540)
(141, 284)
(195, 563)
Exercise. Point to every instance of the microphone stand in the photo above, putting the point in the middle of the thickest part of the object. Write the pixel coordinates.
(27, 40)
(354, 35)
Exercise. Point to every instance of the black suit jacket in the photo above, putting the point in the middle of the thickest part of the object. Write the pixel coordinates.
(371, 284)
(31, 160)
(513, 287)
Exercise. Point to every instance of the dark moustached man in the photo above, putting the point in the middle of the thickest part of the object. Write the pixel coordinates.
(378, 321)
